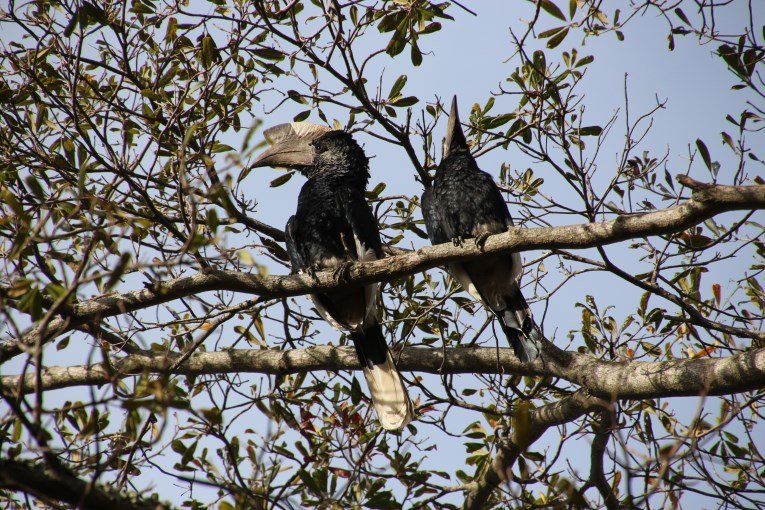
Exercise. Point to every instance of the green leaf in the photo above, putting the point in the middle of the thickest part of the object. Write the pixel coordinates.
(296, 96)
(430, 28)
(32, 303)
(212, 219)
(557, 38)
(118, 271)
(552, 9)
(390, 21)
(584, 61)
(728, 140)
(499, 120)
(190, 132)
(355, 391)
(281, 180)
(300, 117)
(550, 32)
(398, 86)
(405, 101)
(269, 54)
(590, 131)
(416, 54)
(207, 55)
(396, 44)
(704, 153)
(680, 14)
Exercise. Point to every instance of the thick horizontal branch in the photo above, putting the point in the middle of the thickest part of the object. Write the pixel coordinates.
(53, 487)
(610, 380)
(706, 201)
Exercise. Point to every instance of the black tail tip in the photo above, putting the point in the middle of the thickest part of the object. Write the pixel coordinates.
(526, 350)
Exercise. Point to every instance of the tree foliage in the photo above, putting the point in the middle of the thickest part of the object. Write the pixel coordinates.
(150, 357)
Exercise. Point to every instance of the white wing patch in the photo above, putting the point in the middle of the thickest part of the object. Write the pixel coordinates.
(323, 311)
(325, 314)
(461, 275)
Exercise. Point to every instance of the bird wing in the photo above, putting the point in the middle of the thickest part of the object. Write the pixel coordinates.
(434, 220)
(296, 261)
(362, 223)
(366, 237)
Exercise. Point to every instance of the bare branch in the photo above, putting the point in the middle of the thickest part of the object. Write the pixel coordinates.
(53, 487)
(602, 433)
(707, 201)
(500, 470)
(611, 380)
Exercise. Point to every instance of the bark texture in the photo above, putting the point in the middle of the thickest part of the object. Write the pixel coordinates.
(606, 379)
(705, 202)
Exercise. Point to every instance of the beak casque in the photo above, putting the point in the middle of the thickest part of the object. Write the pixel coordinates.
(290, 145)
(455, 138)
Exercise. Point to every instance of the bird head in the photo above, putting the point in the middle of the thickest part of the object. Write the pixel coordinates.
(290, 145)
(455, 139)
(314, 150)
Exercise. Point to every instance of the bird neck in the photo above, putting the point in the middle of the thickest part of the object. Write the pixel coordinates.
(458, 160)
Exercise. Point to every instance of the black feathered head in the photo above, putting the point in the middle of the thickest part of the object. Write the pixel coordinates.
(315, 150)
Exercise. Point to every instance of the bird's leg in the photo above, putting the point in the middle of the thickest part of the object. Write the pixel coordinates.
(480, 240)
(154, 284)
(457, 240)
(343, 271)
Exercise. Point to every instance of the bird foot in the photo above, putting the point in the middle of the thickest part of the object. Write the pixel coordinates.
(311, 271)
(154, 284)
(343, 271)
(480, 240)
(457, 240)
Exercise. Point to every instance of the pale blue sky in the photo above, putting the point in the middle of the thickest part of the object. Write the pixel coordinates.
(469, 58)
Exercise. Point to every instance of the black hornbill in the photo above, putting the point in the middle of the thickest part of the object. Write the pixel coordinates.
(465, 202)
(333, 227)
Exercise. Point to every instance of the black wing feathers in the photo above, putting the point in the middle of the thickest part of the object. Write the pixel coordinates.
(296, 261)
(361, 222)
(465, 202)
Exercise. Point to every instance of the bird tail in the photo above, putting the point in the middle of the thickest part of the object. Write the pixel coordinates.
(521, 331)
(389, 395)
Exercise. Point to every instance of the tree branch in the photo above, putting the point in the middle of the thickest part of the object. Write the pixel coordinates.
(607, 379)
(51, 487)
(602, 428)
(500, 470)
(707, 201)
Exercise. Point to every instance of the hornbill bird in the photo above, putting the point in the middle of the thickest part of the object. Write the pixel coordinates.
(464, 202)
(332, 228)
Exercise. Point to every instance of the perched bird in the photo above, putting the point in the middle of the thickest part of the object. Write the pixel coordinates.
(465, 202)
(332, 228)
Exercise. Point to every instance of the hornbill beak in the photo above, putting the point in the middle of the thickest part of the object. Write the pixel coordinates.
(455, 138)
(290, 145)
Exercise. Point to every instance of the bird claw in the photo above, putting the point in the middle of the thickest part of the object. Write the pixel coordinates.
(480, 240)
(457, 240)
(154, 285)
(311, 271)
(343, 271)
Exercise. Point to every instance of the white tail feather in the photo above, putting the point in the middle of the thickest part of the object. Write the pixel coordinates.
(389, 395)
